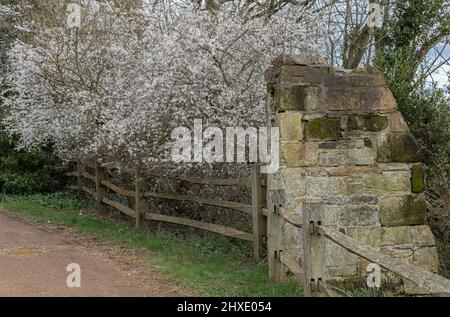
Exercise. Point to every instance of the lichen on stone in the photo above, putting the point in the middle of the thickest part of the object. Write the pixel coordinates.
(417, 178)
(324, 129)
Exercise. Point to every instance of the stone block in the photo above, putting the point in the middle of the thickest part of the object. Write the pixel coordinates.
(302, 97)
(342, 98)
(299, 154)
(403, 210)
(427, 258)
(326, 128)
(398, 147)
(397, 122)
(359, 215)
(383, 236)
(291, 126)
(388, 183)
(367, 122)
(422, 236)
(378, 98)
(325, 186)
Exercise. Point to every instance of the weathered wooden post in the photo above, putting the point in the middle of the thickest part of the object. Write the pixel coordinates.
(141, 203)
(313, 261)
(80, 170)
(100, 189)
(259, 223)
(277, 271)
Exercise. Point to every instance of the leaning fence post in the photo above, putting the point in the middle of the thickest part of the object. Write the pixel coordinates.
(100, 189)
(80, 169)
(258, 223)
(141, 203)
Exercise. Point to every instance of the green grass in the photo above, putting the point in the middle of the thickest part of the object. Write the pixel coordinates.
(210, 266)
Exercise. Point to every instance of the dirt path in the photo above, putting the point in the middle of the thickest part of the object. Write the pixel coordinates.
(33, 262)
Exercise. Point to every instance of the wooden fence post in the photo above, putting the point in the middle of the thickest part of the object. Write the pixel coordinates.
(141, 203)
(277, 270)
(258, 223)
(313, 261)
(100, 189)
(80, 170)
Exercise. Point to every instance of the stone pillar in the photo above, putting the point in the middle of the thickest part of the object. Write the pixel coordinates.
(346, 149)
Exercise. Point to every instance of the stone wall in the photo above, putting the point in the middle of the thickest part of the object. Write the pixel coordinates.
(347, 152)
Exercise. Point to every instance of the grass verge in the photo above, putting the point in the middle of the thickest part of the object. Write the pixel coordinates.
(210, 266)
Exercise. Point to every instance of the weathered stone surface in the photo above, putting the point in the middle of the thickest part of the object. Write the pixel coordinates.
(352, 170)
(332, 158)
(299, 154)
(422, 236)
(359, 215)
(291, 180)
(398, 147)
(328, 145)
(294, 182)
(356, 80)
(356, 156)
(379, 98)
(367, 122)
(303, 97)
(338, 256)
(404, 148)
(326, 128)
(426, 258)
(403, 210)
(355, 185)
(383, 236)
(388, 182)
(344, 271)
(395, 167)
(383, 148)
(342, 98)
(325, 186)
(417, 178)
(292, 236)
(397, 122)
(370, 200)
(291, 126)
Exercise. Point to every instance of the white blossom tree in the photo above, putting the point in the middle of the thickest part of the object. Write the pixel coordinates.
(114, 88)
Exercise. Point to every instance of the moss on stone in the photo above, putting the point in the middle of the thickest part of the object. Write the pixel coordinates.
(368, 143)
(293, 98)
(367, 123)
(416, 209)
(324, 129)
(417, 179)
(375, 123)
(400, 148)
(403, 211)
(352, 123)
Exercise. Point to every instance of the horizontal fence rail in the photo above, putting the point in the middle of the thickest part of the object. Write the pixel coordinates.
(138, 204)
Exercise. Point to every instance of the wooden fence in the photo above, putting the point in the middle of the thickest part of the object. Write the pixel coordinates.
(141, 195)
(311, 272)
